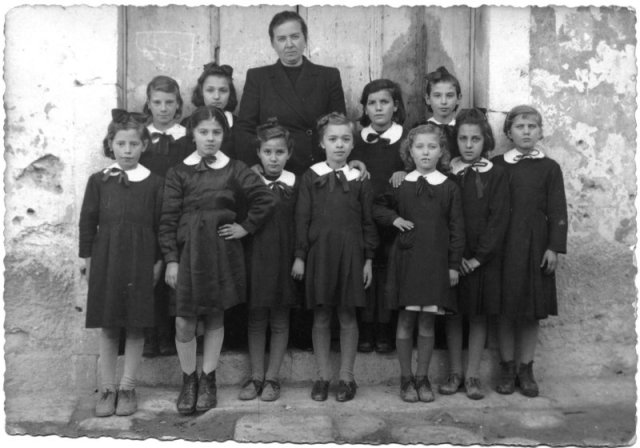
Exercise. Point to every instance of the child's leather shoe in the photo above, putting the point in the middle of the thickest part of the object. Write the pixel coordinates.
(270, 390)
(525, 381)
(423, 387)
(507, 380)
(320, 390)
(346, 390)
(250, 389)
(106, 404)
(408, 391)
(186, 403)
(473, 388)
(453, 384)
(127, 402)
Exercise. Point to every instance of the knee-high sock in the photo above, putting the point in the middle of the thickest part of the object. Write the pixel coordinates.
(425, 349)
(132, 355)
(109, 340)
(213, 338)
(404, 347)
(279, 340)
(187, 355)
(348, 343)
(257, 331)
(321, 335)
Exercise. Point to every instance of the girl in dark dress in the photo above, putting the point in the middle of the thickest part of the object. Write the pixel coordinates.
(215, 88)
(426, 254)
(200, 240)
(485, 203)
(377, 147)
(335, 242)
(537, 232)
(166, 149)
(271, 288)
(118, 223)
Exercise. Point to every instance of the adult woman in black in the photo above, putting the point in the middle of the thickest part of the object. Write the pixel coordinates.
(297, 92)
(294, 90)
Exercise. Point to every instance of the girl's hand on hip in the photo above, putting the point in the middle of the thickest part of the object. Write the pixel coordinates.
(397, 178)
(171, 274)
(367, 273)
(297, 271)
(360, 166)
(453, 277)
(232, 231)
(402, 224)
(549, 261)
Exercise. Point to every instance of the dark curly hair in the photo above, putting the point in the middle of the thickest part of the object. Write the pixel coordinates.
(203, 113)
(223, 71)
(396, 95)
(441, 74)
(477, 117)
(270, 130)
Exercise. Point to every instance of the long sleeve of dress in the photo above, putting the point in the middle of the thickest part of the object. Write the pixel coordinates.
(556, 211)
(89, 217)
(172, 203)
(303, 216)
(261, 200)
(456, 229)
(491, 239)
(248, 120)
(385, 207)
(157, 214)
(369, 231)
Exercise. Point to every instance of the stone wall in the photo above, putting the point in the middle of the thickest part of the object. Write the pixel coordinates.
(576, 65)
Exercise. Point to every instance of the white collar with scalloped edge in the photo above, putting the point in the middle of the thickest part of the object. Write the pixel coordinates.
(220, 162)
(393, 134)
(457, 165)
(137, 174)
(434, 177)
(514, 156)
(321, 168)
(286, 177)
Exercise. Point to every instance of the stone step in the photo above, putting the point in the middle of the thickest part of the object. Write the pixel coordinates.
(300, 366)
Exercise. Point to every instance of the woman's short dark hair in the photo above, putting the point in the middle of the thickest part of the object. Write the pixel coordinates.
(287, 16)
(396, 95)
(203, 113)
(223, 71)
(477, 117)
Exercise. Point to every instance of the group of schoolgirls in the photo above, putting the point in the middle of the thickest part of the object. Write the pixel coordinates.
(433, 227)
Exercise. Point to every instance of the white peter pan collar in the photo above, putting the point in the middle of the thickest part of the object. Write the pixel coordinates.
(434, 177)
(457, 165)
(514, 156)
(433, 120)
(137, 174)
(393, 134)
(229, 116)
(176, 131)
(321, 168)
(220, 162)
(286, 177)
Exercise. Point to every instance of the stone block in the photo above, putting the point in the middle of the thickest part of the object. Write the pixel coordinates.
(284, 428)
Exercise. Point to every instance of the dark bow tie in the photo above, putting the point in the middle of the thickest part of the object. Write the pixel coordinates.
(478, 182)
(203, 164)
(423, 185)
(277, 186)
(163, 142)
(333, 177)
(374, 137)
(116, 172)
(530, 155)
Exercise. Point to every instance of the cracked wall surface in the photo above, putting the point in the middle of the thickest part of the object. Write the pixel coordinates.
(576, 65)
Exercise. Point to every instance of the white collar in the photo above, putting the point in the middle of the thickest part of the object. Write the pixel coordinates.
(322, 168)
(393, 134)
(433, 120)
(286, 177)
(137, 174)
(229, 116)
(514, 156)
(457, 165)
(434, 177)
(176, 131)
(220, 162)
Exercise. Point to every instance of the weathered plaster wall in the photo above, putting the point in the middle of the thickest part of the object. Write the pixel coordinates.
(577, 66)
(580, 73)
(60, 86)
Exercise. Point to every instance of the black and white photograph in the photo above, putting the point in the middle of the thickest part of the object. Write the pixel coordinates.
(345, 223)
